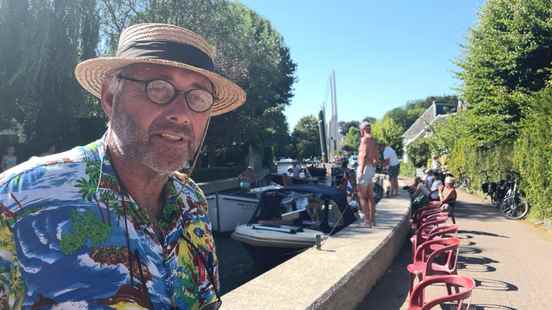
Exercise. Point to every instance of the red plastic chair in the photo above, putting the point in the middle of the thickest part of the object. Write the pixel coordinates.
(463, 286)
(430, 218)
(441, 260)
(422, 233)
(422, 213)
(445, 231)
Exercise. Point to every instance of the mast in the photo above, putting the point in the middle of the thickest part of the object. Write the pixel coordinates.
(322, 132)
(333, 139)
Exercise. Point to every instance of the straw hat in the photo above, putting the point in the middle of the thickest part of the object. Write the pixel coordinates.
(167, 45)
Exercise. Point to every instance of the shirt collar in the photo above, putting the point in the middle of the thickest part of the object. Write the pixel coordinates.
(109, 182)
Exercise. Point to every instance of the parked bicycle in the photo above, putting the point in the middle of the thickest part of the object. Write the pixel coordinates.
(514, 205)
(463, 180)
(491, 190)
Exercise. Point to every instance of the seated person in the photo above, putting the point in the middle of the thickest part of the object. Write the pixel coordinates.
(314, 209)
(447, 193)
(417, 188)
(270, 211)
(419, 194)
(247, 178)
(435, 189)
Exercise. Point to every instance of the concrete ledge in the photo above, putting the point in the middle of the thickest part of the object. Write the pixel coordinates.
(337, 277)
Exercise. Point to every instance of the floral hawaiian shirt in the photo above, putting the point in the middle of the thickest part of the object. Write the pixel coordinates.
(70, 238)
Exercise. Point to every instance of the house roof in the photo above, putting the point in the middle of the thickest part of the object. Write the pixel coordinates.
(435, 111)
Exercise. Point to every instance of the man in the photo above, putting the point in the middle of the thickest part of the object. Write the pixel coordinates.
(367, 159)
(113, 224)
(392, 165)
(435, 164)
(247, 178)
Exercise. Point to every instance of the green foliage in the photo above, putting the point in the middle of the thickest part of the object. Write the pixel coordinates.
(351, 141)
(419, 152)
(344, 127)
(48, 38)
(506, 62)
(507, 57)
(389, 132)
(248, 51)
(533, 154)
(42, 42)
(369, 119)
(306, 137)
(407, 169)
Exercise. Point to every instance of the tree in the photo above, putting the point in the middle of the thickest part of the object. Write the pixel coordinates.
(389, 132)
(248, 51)
(351, 141)
(507, 57)
(369, 119)
(419, 152)
(43, 42)
(345, 126)
(306, 137)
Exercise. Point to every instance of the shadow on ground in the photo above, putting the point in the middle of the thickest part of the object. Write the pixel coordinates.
(391, 292)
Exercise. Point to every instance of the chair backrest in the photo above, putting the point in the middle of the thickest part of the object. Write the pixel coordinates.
(443, 231)
(464, 283)
(449, 249)
(429, 207)
(427, 223)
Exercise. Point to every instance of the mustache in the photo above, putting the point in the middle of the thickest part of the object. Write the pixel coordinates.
(185, 130)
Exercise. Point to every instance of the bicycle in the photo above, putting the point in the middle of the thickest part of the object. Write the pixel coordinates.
(514, 206)
(490, 189)
(464, 180)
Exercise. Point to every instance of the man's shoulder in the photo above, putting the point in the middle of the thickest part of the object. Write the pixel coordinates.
(188, 183)
(40, 175)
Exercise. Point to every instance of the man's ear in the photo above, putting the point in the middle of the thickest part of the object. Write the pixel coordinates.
(107, 97)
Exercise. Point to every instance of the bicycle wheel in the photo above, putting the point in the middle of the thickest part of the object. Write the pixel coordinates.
(518, 210)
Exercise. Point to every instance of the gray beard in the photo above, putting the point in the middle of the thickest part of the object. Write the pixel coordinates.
(130, 143)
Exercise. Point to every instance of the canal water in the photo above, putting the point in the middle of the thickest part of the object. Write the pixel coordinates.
(235, 265)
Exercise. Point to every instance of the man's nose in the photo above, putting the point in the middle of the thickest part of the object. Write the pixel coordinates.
(178, 111)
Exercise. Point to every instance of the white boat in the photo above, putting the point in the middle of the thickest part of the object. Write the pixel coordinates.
(283, 165)
(279, 236)
(289, 220)
(228, 209)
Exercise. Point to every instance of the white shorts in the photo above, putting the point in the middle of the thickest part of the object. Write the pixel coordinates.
(366, 178)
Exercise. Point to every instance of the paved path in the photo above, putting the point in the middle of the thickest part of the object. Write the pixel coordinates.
(511, 262)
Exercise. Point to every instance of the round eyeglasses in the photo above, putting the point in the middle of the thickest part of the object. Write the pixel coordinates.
(162, 92)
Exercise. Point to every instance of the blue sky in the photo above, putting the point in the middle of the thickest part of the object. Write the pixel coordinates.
(384, 52)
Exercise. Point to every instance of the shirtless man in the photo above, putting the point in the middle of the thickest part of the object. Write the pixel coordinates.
(367, 158)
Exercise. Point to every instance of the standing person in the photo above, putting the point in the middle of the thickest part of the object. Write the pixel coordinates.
(113, 224)
(9, 160)
(296, 170)
(392, 165)
(367, 159)
(435, 164)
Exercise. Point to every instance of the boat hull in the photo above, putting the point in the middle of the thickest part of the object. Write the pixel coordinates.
(269, 248)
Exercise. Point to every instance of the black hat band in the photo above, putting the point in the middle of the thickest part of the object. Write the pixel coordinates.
(168, 50)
